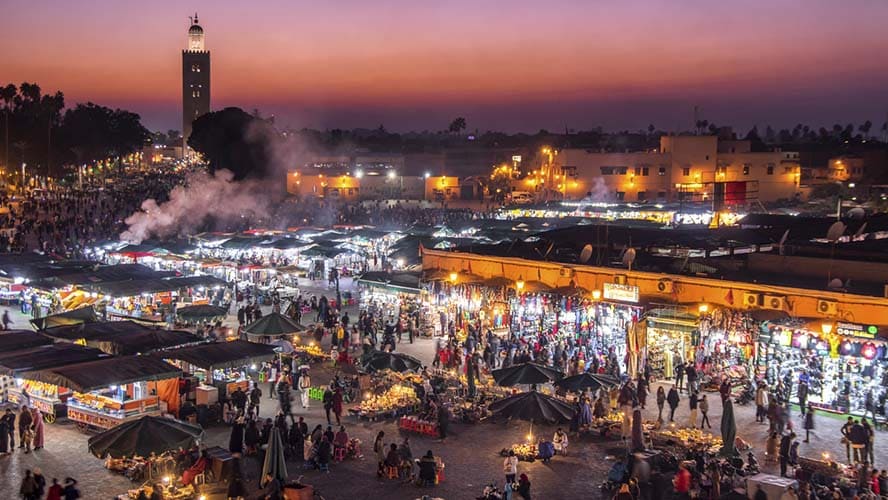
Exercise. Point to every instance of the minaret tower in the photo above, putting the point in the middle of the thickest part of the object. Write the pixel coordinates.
(195, 79)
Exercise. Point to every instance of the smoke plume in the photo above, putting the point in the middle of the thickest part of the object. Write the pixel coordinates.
(203, 197)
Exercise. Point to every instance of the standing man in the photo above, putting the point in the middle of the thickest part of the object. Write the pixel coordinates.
(672, 399)
(679, 375)
(304, 384)
(846, 437)
(24, 424)
(9, 418)
(693, 403)
(761, 403)
(785, 444)
(691, 374)
(255, 399)
(803, 392)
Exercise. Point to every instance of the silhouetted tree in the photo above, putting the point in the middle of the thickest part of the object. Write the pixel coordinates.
(233, 139)
(457, 125)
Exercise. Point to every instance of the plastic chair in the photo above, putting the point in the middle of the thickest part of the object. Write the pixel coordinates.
(339, 454)
(391, 472)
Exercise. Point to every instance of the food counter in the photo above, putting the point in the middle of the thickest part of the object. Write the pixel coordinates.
(49, 399)
(96, 410)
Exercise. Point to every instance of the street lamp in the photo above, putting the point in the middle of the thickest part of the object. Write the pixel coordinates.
(519, 285)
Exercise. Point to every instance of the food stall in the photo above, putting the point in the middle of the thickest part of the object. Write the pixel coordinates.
(49, 399)
(219, 366)
(110, 391)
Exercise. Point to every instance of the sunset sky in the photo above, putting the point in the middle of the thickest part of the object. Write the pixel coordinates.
(503, 64)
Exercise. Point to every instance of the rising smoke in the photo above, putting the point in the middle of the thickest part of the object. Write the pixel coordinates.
(204, 196)
(217, 198)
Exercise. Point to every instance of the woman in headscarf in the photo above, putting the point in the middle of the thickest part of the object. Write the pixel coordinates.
(38, 428)
(585, 414)
(236, 441)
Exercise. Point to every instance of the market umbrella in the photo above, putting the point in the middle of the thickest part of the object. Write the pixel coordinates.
(586, 380)
(525, 373)
(274, 463)
(728, 428)
(201, 312)
(395, 361)
(533, 406)
(145, 436)
(637, 431)
(273, 325)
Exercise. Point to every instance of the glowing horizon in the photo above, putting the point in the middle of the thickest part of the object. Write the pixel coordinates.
(510, 65)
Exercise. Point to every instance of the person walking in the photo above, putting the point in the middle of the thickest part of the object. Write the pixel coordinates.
(337, 405)
(809, 423)
(9, 417)
(55, 490)
(704, 409)
(859, 439)
(691, 374)
(255, 399)
(673, 400)
(785, 445)
(510, 467)
(693, 404)
(37, 419)
(803, 392)
(661, 401)
(28, 488)
(24, 426)
(328, 403)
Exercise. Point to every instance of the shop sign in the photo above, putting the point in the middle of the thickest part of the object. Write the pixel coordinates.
(624, 293)
(855, 330)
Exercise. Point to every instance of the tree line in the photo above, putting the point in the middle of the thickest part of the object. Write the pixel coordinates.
(37, 129)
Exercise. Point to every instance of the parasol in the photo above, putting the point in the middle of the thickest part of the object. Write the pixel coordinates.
(145, 436)
(728, 429)
(273, 325)
(525, 373)
(381, 360)
(274, 463)
(282, 346)
(533, 406)
(591, 381)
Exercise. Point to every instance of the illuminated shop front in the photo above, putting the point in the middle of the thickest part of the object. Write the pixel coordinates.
(845, 363)
(451, 304)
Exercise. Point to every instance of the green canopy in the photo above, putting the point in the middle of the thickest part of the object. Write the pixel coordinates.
(273, 325)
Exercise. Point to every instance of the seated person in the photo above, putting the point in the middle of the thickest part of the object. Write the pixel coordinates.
(197, 469)
(341, 438)
(325, 452)
(428, 468)
(392, 458)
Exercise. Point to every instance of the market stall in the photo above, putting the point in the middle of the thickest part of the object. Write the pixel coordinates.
(843, 363)
(110, 391)
(219, 366)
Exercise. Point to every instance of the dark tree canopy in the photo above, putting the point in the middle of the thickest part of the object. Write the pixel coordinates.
(235, 140)
(93, 132)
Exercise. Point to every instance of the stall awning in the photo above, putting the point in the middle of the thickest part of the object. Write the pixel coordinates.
(131, 288)
(14, 340)
(73, 317)
(92, 375)
(273, 325)
(123, 337)
(403, 282)
(46, 356)
(221, 354)
(143, 342)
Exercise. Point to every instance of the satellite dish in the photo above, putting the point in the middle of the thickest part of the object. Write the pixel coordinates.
(835, 231)
(585, 254)
(835, 284)
(629, 257)
(857, 213)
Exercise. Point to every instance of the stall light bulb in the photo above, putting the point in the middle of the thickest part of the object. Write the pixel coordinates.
(166, 479)
(529, 437)
(253, 366)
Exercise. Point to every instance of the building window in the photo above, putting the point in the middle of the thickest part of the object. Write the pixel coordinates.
(661, 171)
(645, 171)
(707, 157)
(621, 195)
(686, 171)
(622, 170)
(787, 170)
(770, 169)
(195, 93)
(642, 195)
(607, 170)
(195, 68)
(661, 195)
(637, 171)
(746, 169)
